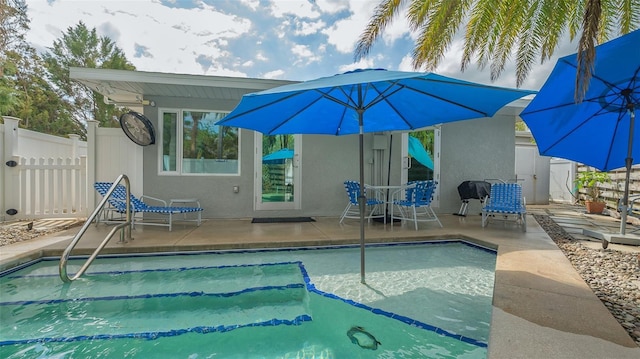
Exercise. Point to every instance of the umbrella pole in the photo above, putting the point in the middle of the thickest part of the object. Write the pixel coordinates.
(361, 198)
(628, 162)
(387, 217)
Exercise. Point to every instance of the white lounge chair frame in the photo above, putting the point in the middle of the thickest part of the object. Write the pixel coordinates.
(117, 205)
(505, 203)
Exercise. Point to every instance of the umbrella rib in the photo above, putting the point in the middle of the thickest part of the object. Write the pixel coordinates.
(345, 105)
(484, 114)
(337, 100)
(385, 97)
(573, 129)
(596, 76)
(284, 121)
(613, 139)
(257, 108)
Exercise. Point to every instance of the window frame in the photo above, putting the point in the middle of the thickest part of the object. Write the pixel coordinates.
(179, 112)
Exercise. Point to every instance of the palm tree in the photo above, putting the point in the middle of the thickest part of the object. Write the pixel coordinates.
(496, 28)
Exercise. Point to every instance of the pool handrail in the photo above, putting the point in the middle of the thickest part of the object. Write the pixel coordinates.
(125, 228)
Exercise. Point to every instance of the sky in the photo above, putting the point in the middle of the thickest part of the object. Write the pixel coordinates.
(269, 39)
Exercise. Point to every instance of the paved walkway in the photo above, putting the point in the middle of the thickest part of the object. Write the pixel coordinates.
(542, 307)
(592, 228)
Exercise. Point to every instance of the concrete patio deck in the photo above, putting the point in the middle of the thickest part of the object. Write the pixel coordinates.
(542, 308)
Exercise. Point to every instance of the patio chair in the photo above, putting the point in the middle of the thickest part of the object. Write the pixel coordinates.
(375, 204)
(414, 203)
(505, 201)
(117, 205)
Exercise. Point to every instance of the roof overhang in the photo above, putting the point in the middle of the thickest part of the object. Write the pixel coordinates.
(137, 88)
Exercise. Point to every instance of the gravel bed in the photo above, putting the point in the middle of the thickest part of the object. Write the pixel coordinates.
(613, 276)
(20, 231)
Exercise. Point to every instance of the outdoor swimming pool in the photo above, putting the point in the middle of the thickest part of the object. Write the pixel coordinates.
(421, 300)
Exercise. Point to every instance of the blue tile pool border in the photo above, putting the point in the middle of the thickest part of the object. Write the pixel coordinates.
(256, 250)
(404, 319)
(310, 287)
(155, 335)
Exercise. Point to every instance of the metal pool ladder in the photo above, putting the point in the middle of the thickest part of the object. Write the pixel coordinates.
(125, 229)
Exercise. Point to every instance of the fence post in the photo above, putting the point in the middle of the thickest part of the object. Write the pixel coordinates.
(92, 145)
(10, 194)
(75, 140)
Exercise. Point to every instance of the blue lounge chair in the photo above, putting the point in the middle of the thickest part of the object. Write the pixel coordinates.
(117, 205)
(414, 203)
(375, 203)
(505, 201)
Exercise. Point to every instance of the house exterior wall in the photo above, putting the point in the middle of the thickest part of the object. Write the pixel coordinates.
(532, 171)
(214, 192)
(479, 149)
(327, 161)
(116, 154)
(471, 150)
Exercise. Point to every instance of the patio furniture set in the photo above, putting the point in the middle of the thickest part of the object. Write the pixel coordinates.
(412, 202)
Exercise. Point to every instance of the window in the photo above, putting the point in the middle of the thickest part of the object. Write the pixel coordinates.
(193, 144)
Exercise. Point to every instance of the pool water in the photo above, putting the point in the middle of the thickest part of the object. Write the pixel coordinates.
(421, 300)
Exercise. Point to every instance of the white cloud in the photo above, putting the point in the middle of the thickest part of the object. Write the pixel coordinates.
(305, 55)
(292, 39)
(299, 8)
(252, 4)
(308, 27)
(277, 74)
(261, 57)
(344, 34)
(166, 34)
(332, 6)
(301, 51)
(406, 63)
(362, 64)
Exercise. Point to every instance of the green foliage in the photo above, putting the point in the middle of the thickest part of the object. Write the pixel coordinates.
(38, 89)
(25, 92)
(590, 180)
(494, 30)
(38, 104)
(81, 47)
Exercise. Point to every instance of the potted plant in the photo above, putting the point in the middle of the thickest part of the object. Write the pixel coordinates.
(590, 180)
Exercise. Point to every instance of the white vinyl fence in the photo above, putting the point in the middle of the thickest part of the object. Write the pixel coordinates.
(50, 187)
(46, 176)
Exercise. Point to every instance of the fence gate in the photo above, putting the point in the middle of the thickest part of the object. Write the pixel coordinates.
(47, 188)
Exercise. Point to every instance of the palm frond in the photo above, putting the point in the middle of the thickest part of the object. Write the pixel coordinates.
(528, 45)
(629, 16)
(552, 17)
(439, 28)
(507, 38)
(419, 13)
(480, 34)
(383, 16)
(587, 47)
(575, 12)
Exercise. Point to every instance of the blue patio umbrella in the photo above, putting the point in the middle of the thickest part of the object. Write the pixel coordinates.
(599, 131)
(363, 101)
(278, 157)
(417, 151)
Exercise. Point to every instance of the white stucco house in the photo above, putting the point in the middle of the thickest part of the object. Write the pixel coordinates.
(223, 168)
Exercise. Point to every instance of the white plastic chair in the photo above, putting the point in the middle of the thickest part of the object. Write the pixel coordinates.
(374, 204)
(414, 203)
